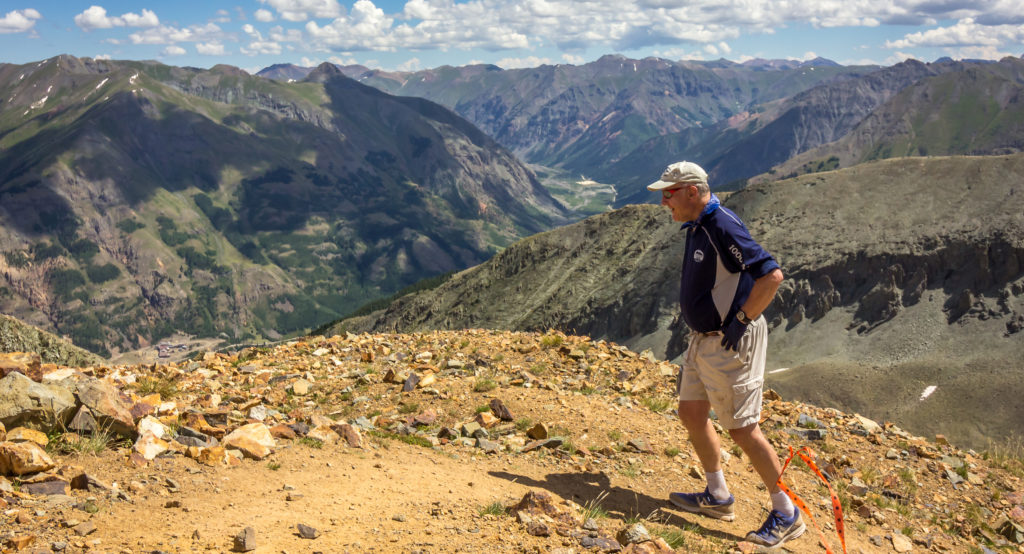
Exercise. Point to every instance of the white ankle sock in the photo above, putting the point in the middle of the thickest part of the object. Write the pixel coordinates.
(782, 504)
(716, 485)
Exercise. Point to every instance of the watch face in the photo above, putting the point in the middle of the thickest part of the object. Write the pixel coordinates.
(741, 315)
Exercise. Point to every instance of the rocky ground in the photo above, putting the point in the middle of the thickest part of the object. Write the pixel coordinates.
(472, 441)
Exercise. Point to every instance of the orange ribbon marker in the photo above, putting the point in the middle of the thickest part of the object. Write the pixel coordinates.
(837, 508)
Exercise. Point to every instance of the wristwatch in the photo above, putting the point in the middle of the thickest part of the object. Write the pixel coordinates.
(742, 317)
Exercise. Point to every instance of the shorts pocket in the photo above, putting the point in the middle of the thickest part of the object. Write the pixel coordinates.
(746, 399)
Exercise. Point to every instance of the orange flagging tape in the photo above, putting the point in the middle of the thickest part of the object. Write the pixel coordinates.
(837, 508)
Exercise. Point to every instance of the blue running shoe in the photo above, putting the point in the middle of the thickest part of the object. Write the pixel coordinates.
(777, 529)
(704, 503)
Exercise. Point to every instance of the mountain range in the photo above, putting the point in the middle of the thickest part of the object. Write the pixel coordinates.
(138, 200)
(141, 200)
(902, 275)
(618, 120)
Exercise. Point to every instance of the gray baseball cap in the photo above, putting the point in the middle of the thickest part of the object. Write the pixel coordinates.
(680, 173)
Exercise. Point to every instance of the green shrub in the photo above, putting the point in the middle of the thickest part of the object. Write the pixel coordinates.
(129, 226)
(169, 232)
(65, 281)
(83, 250)
(17, 258)
(45, 251)
(102, 273)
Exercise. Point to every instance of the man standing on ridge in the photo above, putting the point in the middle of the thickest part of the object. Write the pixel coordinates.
(727, 282)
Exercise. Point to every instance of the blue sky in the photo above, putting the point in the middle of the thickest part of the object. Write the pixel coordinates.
(419, 34)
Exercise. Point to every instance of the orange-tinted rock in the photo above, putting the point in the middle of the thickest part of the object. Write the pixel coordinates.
(20, 458)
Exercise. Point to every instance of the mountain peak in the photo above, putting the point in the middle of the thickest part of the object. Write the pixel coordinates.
(324, 72)
(226, 69)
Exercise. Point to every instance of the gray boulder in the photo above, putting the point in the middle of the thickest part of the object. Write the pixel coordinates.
(26, 403)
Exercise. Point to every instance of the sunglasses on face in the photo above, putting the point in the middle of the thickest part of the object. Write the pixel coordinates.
(669, 192)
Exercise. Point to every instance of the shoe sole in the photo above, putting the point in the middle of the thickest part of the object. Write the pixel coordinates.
(702, 511)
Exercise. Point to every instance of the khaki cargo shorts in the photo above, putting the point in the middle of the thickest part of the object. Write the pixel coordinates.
(730, 380)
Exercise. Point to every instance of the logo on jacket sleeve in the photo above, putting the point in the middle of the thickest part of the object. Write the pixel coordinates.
(736, 252)
(698, 256)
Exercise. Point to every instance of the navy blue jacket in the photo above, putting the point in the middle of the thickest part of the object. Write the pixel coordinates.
(720, 266)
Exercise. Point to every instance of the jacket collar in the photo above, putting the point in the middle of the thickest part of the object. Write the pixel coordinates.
(711, 206)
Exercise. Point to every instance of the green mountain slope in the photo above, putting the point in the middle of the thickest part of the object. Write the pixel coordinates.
(140, 199)
(978, 110)
(901, 274)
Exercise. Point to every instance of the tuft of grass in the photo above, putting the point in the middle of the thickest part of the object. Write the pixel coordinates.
(560, 431)
(588, 390)
(408, 408)
(592, 508)
(311, 442)
(656, 405)
(273, 466)
(484, 384)
(551, 341)
(166, 388)
(495, 508)
(482, 409)
(615, 435)
(414, 440)
(736, 451)
(569, 447)
(676, 538)
(671, 451)
(524, 424)
(870, 475)
(1007, 454)
(72, 443)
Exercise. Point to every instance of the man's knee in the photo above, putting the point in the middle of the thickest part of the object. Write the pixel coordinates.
(745, 435)
(693, 414)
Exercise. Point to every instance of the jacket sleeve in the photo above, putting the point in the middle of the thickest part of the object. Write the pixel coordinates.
(738, 250)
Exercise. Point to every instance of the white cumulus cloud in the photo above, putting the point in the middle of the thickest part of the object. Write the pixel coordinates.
(264, 15)
(173, 51)
(964, 33)
(165, 34)
(412, 64)
(258, 47)
(95, 17)
(19, 21)
(301, 10)
(696, 27)
(210, 48)
(280, 34)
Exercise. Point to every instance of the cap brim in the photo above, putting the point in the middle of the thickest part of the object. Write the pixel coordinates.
(661, 185)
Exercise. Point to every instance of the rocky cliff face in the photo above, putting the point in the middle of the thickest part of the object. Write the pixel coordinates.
(912, 266)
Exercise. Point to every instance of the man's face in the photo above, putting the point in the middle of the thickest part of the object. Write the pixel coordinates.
(684, 202)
